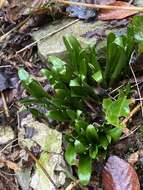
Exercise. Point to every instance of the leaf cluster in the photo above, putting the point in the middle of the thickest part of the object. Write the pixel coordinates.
(75, 98)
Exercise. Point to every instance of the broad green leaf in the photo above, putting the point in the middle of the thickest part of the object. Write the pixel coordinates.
(116, 109)
(80, 126)
(135, 28)
(119, 49)
(75, 82)
(23, 75)
(97, 76)
(115, 133)
(93, 152)
(104, 142)
(91, 133)
(58, 65)
(84, 169)
(72, 114)
(135, 31)
(70, 154)
(79, 147)
(73, 48)
(83, 67)
(31, 85)
(57, 115)
(109, 138)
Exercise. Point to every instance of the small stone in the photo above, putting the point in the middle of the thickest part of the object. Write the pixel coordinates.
(6, 134)
(49, 143)
(54, 45)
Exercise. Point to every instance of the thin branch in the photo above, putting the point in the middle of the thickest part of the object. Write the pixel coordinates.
(138, 89)
(96, 6)
(14, 29)
(6, 110)
(43, 169)
(135, 110)
(131, 132)
(72, 185)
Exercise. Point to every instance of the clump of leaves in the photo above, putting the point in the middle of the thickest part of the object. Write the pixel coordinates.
(76, 99)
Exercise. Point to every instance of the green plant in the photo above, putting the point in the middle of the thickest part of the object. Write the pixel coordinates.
(75, 99)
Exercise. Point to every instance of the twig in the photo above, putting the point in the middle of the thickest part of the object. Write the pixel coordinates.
(14, 29)
(72, 185)
(130, 133)
(43, 169)
(138, 89)
(136, 109)
(5, 105)
(126, 131)
(96, 6)
(47, 35)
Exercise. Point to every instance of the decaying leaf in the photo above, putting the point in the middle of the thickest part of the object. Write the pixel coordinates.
(119, 175)
(111, 14)
(2, 2)
(133, 158)
(11, 165)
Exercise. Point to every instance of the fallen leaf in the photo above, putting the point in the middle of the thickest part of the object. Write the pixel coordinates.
(119, 175)
(111, 14)
(133, 158)
(2, 2)
(11, 165)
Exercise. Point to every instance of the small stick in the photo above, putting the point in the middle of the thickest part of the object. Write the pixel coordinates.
(43, 169)
(138, 89)
(5, 105)
(13, 29)
(136, 109)
(130, 133)
(96, 6)
(72, 185)
(47, 35)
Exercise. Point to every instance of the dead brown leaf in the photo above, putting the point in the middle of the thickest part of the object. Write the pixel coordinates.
(133, 158)
(2, 2)
(119, 175)
(11, 165)
(118, 14)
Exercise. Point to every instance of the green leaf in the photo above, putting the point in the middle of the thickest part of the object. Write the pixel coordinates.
(119, 49)
(73, 48)
(80, 126)
(31, 85)
(104, 142)
(116, 109)
(91, 133)
(57, 115)
(58, 65)
(83, 67)
(115, 133)
(70, 154)
(75, 82)
(84, 169)
(72, 114)
(93, 152)
(97, 76)
(23, 75)
(79, 147)
(135, 28)
(135, 31)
